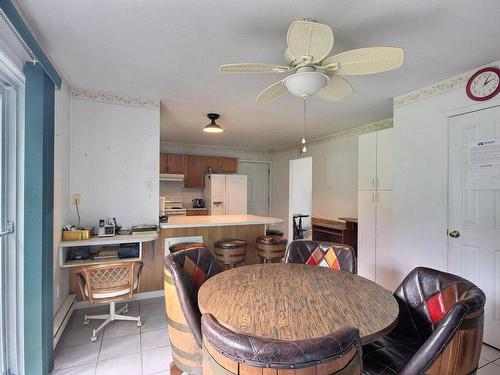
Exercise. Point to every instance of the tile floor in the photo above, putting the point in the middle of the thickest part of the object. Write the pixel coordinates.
(123, 348)
(489, 364)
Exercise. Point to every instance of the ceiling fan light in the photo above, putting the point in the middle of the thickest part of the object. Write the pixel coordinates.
(305, 84)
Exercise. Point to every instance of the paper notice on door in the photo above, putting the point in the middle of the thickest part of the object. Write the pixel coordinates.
(483, 169)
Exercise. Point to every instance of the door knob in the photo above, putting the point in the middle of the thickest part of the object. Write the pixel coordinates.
(454, 234)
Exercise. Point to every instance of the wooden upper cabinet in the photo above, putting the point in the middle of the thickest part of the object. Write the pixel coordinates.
(229, 165)
(174, 163)
(194, 167)
(194, 171)
(213, 164)
(219, 164)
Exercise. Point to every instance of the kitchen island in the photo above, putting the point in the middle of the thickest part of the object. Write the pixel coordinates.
(206, 229)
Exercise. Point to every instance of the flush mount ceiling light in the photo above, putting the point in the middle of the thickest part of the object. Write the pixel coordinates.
(305, 84)
(213, 127)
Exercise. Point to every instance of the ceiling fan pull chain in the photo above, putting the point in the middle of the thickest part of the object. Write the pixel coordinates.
(304, 148)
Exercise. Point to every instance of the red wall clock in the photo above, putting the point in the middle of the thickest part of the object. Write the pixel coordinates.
(484, 84)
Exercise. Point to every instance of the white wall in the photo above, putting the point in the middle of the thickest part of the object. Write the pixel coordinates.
(334, 179)
(420, 178)
(188, 194)
(115, 161)
(62, 214)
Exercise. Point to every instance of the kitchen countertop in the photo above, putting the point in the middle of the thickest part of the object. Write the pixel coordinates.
(217, 221)
(197, 208)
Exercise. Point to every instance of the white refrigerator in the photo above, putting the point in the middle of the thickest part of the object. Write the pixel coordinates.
(226, 194)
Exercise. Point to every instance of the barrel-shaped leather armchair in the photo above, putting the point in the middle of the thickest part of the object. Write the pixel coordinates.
(439, 331)
(228, 352)
(184, 273)
(328, 254)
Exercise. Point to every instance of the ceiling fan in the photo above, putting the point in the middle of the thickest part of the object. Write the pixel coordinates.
(309, 43)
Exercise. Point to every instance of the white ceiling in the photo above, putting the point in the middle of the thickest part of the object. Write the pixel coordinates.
(171, 49)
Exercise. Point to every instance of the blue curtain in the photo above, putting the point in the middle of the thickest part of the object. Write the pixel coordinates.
(38, 219)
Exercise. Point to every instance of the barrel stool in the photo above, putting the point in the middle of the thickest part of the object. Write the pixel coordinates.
(274, 232)
(184, 246)
(271, 249)
(230, 252)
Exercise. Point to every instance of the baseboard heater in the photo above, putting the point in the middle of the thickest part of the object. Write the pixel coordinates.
(62, 317)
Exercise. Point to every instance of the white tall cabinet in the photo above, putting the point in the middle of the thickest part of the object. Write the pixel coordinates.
(375, 185)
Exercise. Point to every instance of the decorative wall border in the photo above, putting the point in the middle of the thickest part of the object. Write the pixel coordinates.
(196, 148)
(449, 84)
(98, 96)
(362, 129)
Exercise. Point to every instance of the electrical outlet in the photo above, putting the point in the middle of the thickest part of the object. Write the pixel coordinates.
(76, 198)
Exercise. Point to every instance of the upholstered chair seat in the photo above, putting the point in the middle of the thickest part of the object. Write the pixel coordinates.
(327, 254)
(274, 232)
(439, 331)
(228, 352)
(185, 272)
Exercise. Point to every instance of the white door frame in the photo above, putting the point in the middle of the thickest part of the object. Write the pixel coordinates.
(14, 312)
(269, 183)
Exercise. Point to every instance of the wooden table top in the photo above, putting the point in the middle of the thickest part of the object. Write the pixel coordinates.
(295, 301)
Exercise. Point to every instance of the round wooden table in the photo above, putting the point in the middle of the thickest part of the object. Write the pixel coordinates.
(295, 301)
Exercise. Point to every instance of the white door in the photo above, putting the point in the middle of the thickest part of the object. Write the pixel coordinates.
(386, 274)
(236, 195)
(474, 216)
(257, 187)
(367, 214)
(300, 194)
(367, 161)
(385, 159)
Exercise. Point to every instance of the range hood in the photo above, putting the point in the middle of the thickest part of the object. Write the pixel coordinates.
(171, 177)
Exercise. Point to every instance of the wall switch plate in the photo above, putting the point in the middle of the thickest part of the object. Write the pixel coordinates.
(76, 198)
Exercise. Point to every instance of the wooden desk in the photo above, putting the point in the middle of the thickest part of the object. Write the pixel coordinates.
(296, 302)
(336, 231)
(151, 276)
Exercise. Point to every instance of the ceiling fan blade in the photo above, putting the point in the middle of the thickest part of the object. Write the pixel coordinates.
(309, 40)
(366, 60)
(272, 92)
(336, 89)
(253, 68)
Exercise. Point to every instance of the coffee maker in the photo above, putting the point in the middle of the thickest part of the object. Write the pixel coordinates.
(198, 203)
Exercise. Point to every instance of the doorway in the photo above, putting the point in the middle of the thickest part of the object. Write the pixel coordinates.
(474, 208)
(300, 197)
(258, 177)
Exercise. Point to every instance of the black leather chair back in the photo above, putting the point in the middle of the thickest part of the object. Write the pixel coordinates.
(439, 331)
(339, 351)
(190, 269)
(328, 254)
